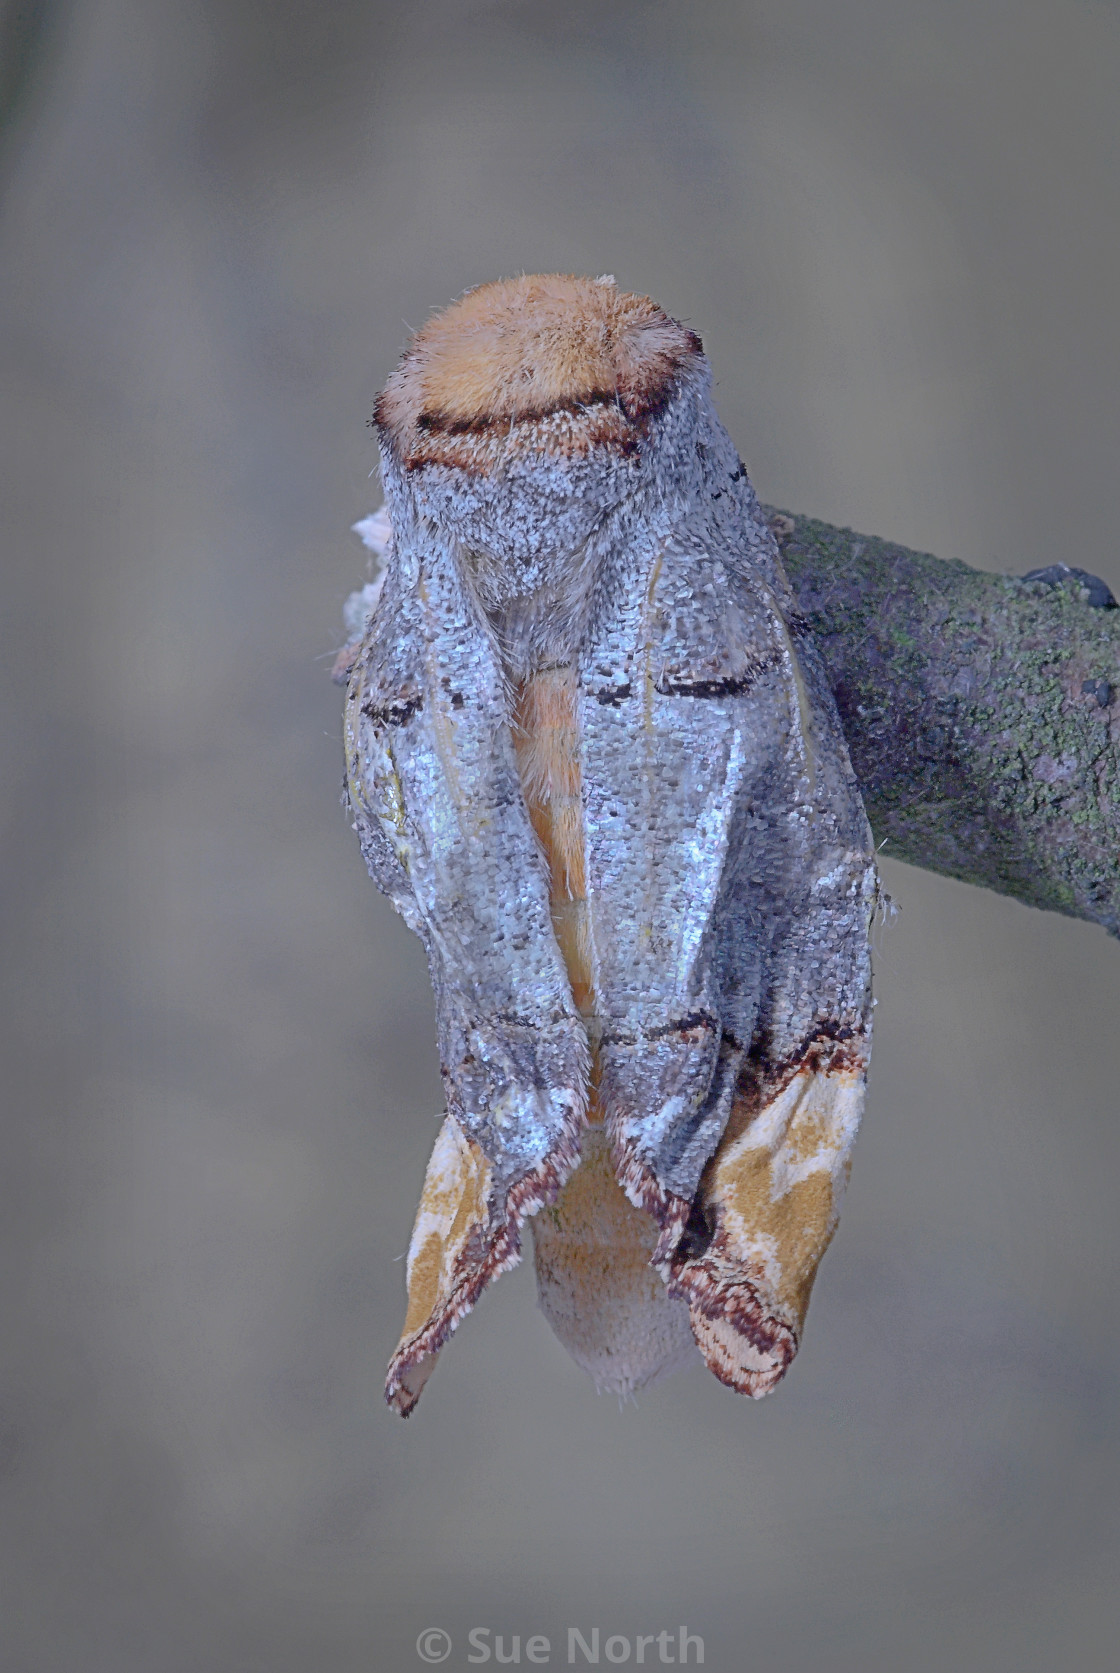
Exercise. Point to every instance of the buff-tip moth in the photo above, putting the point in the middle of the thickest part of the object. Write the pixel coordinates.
(593, 761)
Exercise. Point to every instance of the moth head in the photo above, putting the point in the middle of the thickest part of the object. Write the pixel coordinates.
(522, 413)
(547, 363)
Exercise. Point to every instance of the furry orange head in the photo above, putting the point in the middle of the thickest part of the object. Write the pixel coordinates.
(523, 351)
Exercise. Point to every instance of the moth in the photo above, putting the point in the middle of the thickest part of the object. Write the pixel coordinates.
(593, 761)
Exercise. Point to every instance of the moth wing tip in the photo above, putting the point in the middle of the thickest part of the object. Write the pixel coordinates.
(406, 1381)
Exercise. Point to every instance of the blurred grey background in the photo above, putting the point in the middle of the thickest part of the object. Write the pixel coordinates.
(895, 224)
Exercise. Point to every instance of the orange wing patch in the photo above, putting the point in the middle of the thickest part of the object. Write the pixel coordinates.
(771, 1198)
(442, 1270)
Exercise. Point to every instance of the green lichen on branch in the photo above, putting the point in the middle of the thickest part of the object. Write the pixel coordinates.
(982, 713)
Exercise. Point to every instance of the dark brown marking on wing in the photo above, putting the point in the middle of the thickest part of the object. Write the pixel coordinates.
(691, 1028)
(830, 1047)
(398, 711)
(613, 696)
(682, 684)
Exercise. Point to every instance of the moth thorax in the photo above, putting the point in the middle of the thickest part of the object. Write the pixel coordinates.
(533, 397)
(531, 513)
(528, 542)
(524, 419)
(539, 613)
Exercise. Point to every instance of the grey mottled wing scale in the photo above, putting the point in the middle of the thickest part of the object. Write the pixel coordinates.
(671, 752)
(728, 863)
(433, 785)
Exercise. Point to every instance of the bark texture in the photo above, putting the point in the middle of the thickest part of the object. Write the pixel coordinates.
(982, 712)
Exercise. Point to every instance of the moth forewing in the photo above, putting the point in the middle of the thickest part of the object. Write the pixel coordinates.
(770, 1196)
(443, 1273)
(443, 821)
(670, 769)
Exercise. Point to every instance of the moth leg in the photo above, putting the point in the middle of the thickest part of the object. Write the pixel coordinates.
(445, 1269)
(344, 661)
(767, 1207)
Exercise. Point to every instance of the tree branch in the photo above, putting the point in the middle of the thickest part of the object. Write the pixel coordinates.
(982, 712)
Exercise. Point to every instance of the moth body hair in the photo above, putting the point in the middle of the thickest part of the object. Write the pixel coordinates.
(553, 431)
